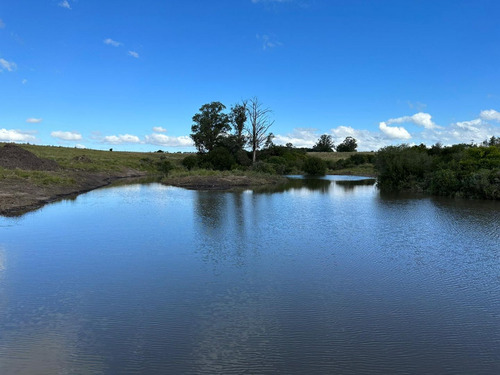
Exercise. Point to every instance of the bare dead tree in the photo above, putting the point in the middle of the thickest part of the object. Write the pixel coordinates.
(259, 123)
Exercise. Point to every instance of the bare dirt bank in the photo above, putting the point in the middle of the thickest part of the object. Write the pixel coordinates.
(17, 197)
(224, 182)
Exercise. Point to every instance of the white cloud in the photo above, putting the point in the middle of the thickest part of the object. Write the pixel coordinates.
(165, 140)
(420, 119)
(159, 129)
(78, 145)
(2, 24)
(112, 42)
(15, 136)
(133, 54)
(268, 41)
(394, 131)
(24, 81)
(66, 136)
(490, 115)
(366, 140)
(470, 125)
(299, 137)
(304, 137)
(120, 139)
(33, 120)
(64, 4)
(7, 65)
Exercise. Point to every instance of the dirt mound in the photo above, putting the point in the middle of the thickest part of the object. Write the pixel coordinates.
(12, 157)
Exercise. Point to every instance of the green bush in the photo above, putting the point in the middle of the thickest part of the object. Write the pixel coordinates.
(314, 166)
(221, 159)
(190, 162)
(165, 166)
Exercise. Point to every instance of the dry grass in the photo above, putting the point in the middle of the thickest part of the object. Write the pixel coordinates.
(334, 156)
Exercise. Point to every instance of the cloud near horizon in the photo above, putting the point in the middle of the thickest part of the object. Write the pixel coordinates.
(394, 132)
(66, 136)
(420, 119)
(121, 139)
(12, 135)
(167, 141)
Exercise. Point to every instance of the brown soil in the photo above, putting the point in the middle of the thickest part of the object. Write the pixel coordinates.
(12, 157)
(221, 182)
(17, 197)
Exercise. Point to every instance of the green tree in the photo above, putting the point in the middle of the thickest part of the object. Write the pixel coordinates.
(348, 145)
(210, 125)
(238, 119)
(324, 144)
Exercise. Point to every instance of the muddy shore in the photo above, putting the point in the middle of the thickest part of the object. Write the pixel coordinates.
(17, 197)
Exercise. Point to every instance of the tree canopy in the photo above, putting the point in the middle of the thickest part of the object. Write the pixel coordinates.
(324, 144)
(348, 145)
(210, 124)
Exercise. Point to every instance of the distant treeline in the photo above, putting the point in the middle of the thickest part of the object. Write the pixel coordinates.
(460, 170)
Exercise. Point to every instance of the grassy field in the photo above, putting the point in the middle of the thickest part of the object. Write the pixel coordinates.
(334, 156)
(102, 161)
(367, 169)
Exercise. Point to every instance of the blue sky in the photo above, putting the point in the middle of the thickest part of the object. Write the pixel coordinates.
(129, 75)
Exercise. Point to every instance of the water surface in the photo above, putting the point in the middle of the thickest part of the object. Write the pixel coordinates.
(320, 276)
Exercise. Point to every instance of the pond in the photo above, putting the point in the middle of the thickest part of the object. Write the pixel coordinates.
(318, 276)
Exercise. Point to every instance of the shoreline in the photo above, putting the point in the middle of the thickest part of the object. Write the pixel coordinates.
(17, 197)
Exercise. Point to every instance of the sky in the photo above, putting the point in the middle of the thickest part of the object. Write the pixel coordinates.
(130, 74)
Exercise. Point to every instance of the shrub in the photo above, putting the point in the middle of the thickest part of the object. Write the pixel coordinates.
(221, 159)
(314, 166)
(190, 162)
(165, 166)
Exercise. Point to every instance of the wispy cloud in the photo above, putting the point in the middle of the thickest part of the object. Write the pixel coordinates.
(416, 105)
(268, 41)
(12, 135)
(165, 140)
(133, 54)
(10, 66)
(2, 24)
(33, 120)
(78, 145)
(121, 139)
(64, 4)
(24, 81)
(66, 136)
(112, 42)
(159, 129)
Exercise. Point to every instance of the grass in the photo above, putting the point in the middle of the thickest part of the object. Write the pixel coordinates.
(38, 178)
(334, 156)
(102, 161)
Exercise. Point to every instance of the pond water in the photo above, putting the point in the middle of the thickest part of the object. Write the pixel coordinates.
(320, 276)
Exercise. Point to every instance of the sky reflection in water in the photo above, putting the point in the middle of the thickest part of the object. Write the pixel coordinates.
(319, 276)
